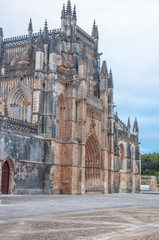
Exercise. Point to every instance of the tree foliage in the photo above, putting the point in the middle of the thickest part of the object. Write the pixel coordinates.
(150, 164)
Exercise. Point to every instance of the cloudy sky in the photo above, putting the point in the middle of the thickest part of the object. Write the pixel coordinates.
(129, 41)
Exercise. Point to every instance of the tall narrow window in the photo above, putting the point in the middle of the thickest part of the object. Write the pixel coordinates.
(60, 117)
(121, 156)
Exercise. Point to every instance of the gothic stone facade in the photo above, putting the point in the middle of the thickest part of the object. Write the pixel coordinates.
(58, 130)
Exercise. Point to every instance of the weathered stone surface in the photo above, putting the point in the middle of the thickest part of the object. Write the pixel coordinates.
(58, 130)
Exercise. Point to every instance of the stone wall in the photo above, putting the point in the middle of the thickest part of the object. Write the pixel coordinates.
(151, 181)
(25, 158)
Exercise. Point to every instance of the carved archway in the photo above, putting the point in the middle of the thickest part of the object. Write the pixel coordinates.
(19, 103)
(7, 176)
(92, 164)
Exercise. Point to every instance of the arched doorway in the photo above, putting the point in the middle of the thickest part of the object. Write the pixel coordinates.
(92, 165)
(5, 178)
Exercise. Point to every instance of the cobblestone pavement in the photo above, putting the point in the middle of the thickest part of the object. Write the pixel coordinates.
(115, 216)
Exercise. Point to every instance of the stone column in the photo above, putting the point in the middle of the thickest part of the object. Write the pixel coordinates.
(0, 179)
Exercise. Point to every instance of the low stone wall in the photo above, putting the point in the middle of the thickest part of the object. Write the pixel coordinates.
(151, 181)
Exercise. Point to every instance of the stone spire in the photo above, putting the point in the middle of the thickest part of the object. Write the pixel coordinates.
(104, 70)
(30, 32)
(128, 125)
(74, 13)
(110, 79)
(1, 32)
(135, 128)
(63, 12)
(104, 77)
(46, 33)
(30, 26)
(95, 31)
(53, 44)
(40, 41)
(69, 9)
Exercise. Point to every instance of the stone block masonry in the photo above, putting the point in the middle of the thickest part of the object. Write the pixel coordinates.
(58, 130)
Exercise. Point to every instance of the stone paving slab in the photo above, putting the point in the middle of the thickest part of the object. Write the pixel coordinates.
(116, 216)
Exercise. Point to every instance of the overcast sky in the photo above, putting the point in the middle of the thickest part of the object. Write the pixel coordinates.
(129, 41)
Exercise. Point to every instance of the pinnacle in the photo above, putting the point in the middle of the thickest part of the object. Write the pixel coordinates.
(63, 12)
(128, 125)
(46, 33)
(40, 41)
(95, 30)
(1, 32)
(104, 69)
(30, 27)
(45, 26)
(53, 44)
(110, 73)
(110, 79)
(74, 13)
(69, 9)
(135, 128)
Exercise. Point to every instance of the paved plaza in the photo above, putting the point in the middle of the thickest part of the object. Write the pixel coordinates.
(67, 217)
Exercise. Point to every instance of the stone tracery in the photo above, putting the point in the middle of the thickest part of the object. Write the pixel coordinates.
(19, 103)
(92, 162)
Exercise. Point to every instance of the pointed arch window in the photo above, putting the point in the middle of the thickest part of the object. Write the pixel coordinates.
(19, 103)
(60, 117)
(122, 154)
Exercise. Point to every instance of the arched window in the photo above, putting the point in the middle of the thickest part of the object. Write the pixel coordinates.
(60, 117)
(122, 154)
(19, 103)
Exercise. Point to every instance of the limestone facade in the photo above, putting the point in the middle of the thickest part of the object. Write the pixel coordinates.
(58, 130)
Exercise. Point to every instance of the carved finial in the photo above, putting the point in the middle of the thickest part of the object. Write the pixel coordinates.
(45, 25)
(128, 125)
(110, 79)
(46, 33)
(40, 41)
(95, 30)
(53, 44)
(30, 26)
(1, 32)
(63, 12)
(74, 13)
(104, 69)
(135, 128)
(69, 9)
